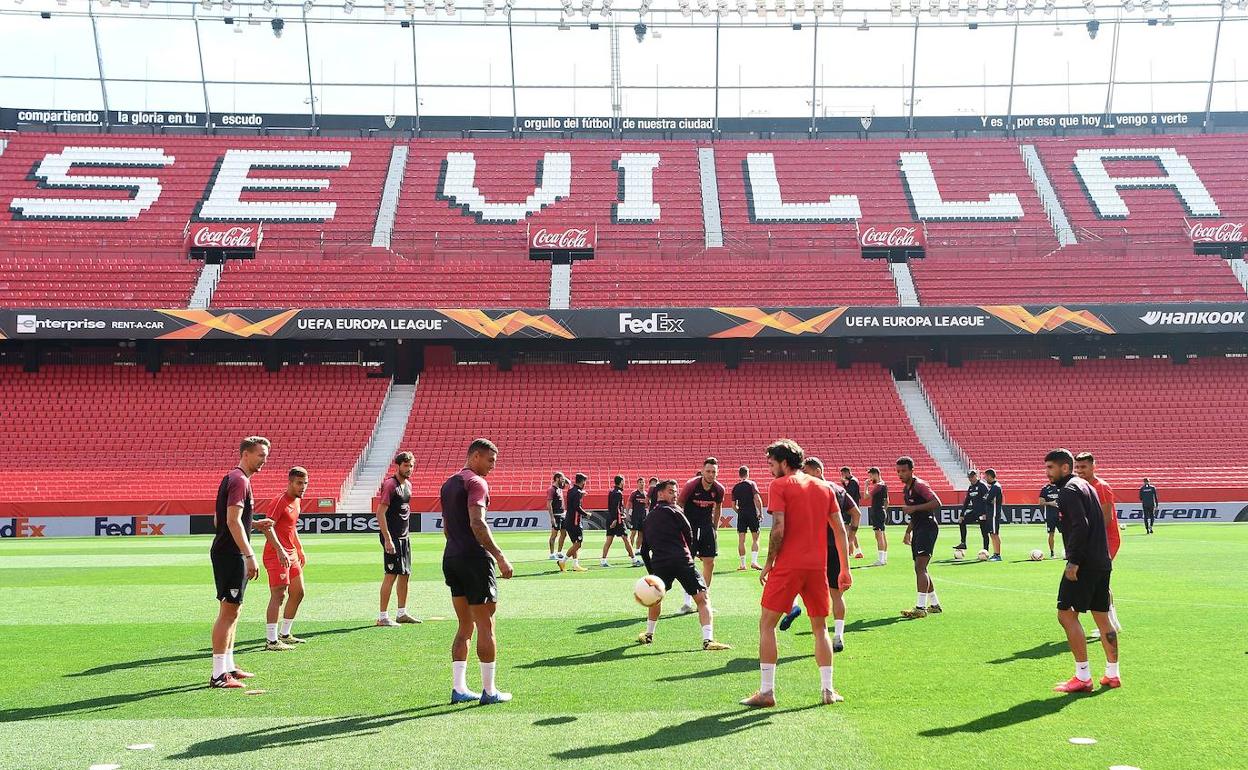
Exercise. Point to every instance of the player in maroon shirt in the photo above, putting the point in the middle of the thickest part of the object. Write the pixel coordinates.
(923, 507)
(615, 523)
(233, 560)
(469, 562)
(702, 500)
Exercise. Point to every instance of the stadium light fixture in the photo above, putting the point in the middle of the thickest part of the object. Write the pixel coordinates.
(894, 8)
(430, 8)
(992, 7)
(226, 5)
(799, 7)
(760, 7)
(278, 25)
(347, 6)
(639, 29)
(704, 8)
(1146, 5)
(142, 3)
(1093, 27)
(1029, 6)
(1090, 6)
(449, 5)
(643, 9)
(1050, 6)
(916, 7)
(933, 8)
(781, 10)
(587, 7)
(1164, 7)
(1011, 7)
(743, 7)
(1128, 5)
(267, 5)
(205, 4)
(722, 6)
(606, 7)
(972, 8)
(410, 7)
(684, 8)
(1226, 5)
(388, 7)
(1242, 5)
(307, 6)
(817, 8)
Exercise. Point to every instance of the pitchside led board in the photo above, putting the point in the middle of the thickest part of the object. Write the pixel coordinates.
(618, 323)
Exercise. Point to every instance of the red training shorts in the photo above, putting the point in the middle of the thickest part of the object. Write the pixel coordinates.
(785, 585)
(279, 576)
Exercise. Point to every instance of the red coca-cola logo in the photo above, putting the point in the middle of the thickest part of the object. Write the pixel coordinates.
(897, 237)
(567, 239)
(1217, 232)
(228, 237)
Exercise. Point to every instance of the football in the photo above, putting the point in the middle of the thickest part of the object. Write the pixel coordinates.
(958, 554)
(648, 591)
(1037, 554)
(982, 555)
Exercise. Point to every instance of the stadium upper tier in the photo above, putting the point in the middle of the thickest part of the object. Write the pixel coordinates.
(658, 420)
(116, 433)
(1178, 425)
(100, 220)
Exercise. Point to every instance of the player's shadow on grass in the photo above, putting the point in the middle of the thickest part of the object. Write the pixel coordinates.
(305, 733)
(734, 666)
(601, 656)
(707, 728)
(864, 625)
(91, 705)
(1039, 652)
(1014, 715)
(198, 655)
(610, 625)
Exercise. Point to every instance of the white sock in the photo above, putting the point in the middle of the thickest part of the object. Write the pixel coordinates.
(218, 665)
(688, 599)
(270, 632)
(229, 661)
(651, 625)
(1083, 672)
(1113, 618)
(754, 556)
(604, 562)
(839, 626)
(883, 555)
(287, 624)
(576, 562)
(825, 677)
(383, 615)
(487, 679)
(707, 633)
(459, 675)
(402, 611)
(921, 601)
(932, 601)
(1111, 670)
(768, 672)
(743, 561)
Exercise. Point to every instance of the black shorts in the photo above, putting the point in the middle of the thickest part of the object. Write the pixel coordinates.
(1089, 592)
(471, 578)
(1050, 521)
(993, 523)
(923, 541)
(399, 562)
(637, 521)
(878, 520)
(747, 522)
(556, 521)
(679, 572)
(574, 532)
(705, 541)
(617, 530)
(229, 571)
(834, 567)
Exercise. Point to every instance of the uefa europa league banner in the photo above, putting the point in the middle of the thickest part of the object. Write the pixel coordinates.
(623, 323)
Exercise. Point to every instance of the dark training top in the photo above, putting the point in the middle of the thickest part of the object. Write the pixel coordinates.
(461, 492)
(1148, 496)
(1083, 526)
(919, 493)
(976, 499)
(879, 498)
(699, 502)
(667, 535)
(638, 502)
(575, 511)
(853, 489)
(398, 501)
(615, 507)
(235, 489)
(996, 498)
(743, 497)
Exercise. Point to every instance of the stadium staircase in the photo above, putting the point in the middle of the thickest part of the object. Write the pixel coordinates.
(907, 295)
(389, 205)
(1048, 196)
(951, 460)
(560, 286)
(383, 445)
(1240, 268)
(712, 226)
(209, 276)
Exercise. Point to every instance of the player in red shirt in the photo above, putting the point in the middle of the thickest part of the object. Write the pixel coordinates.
(802, 509)
(1085, 468)
(284, 561)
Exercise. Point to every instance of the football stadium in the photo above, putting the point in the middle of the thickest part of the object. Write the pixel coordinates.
(623, 384)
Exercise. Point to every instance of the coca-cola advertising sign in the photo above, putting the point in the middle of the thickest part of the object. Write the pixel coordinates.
(562, 238)
(218, 235)
(896, 237)
(1215, 231)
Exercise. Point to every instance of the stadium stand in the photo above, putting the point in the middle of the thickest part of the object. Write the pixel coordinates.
(120, 279)
(1178, 425)
(653, 419)
(121, 433)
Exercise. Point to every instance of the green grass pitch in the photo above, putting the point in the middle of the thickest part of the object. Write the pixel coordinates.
(104, 644)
